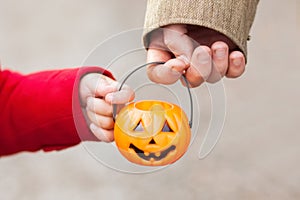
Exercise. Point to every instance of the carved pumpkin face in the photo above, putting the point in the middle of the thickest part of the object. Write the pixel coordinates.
(152, 133)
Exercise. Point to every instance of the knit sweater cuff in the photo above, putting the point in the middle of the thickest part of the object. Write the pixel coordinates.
(232, 18)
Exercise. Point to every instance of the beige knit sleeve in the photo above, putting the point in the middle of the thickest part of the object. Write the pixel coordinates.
(233, 18)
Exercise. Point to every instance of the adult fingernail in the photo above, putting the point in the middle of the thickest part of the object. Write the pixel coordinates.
(204, 57)
(220, 53)
(237, 61)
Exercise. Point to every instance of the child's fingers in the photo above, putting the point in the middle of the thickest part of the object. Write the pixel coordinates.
(99, 106)
(102, 134)
(104, 86)
(100, 120)
(95, 85)
(125, 95)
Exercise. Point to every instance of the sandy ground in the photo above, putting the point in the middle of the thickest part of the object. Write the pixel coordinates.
(257, 156)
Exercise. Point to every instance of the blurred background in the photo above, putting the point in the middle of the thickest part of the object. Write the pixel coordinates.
(257, 156)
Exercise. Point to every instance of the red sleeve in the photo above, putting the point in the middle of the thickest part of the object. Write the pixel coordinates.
(42, 110)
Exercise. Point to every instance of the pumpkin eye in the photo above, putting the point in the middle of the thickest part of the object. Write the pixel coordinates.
(139, 127)
(166, 128)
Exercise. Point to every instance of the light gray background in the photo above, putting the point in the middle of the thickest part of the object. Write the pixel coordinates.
(257, 156)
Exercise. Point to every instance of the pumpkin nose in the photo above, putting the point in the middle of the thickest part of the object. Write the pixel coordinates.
(152, 141)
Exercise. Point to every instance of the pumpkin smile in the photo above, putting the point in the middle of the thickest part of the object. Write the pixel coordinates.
(142, 155)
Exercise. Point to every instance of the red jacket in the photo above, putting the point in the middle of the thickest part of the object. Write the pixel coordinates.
(42, 110)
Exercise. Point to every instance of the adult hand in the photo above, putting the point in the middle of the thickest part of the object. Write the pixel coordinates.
(202, 54)
(97, 94)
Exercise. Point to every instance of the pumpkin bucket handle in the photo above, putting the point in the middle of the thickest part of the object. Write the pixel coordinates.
(157, 63)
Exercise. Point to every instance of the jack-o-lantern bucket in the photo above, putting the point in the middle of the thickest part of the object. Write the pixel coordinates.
(152, 132)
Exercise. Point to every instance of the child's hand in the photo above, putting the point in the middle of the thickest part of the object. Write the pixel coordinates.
(97, 94)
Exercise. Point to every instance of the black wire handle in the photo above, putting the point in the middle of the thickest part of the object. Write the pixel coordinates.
(156, 63)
